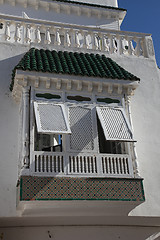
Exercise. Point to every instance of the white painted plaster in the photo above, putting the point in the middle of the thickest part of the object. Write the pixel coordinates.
(81, 232)
(9, 56)
(111, 3)
(62, 16)
(145, 105)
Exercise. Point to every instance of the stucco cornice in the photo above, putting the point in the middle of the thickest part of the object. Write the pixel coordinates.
(70, 7)
(39, 80)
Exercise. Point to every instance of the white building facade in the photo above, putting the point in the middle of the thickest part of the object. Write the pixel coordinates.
(79, 123)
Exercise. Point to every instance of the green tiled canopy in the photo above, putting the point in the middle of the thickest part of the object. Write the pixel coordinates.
(72, 63)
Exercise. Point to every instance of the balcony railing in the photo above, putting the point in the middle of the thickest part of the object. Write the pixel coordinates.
(74, 37)
(81, 164)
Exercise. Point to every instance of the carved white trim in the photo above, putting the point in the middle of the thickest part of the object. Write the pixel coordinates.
(95, 85)
(78, 9)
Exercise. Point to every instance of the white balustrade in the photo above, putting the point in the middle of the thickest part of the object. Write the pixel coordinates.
(82, 164)
(76, 164)
(44, 163)
(117, 165)
(27, 31)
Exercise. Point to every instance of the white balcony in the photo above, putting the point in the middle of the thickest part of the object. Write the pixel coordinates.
(81, 165)
(48, 34)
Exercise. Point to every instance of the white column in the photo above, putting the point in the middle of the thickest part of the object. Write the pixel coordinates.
(132, 146)
(25, 130)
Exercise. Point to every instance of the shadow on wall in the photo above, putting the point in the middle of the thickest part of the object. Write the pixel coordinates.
(6, 67)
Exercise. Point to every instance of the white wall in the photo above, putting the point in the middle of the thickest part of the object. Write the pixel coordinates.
(112, 3)
(9, 112)
(79, 233)
(145, 105)
(52, 15)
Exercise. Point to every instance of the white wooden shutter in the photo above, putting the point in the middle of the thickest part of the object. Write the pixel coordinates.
(115, 124)
(51, 118)
(81, 123)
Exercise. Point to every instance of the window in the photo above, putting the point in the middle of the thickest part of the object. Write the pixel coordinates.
(84, 127)
(113, 130)
(114, 123)
(51, 123)
(51, 118)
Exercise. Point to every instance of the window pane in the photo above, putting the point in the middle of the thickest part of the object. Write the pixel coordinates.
(82, 128)
(51, 118)
(114, 124)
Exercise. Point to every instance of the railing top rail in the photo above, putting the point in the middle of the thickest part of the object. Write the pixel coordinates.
(47, 23)
(81, 154)
(48, 153)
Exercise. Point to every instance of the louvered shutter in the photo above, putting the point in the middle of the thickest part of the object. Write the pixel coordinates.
(51, 118)
(115, 124)
(81, 123)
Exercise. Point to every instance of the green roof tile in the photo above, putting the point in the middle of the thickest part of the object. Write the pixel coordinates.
(72, 63)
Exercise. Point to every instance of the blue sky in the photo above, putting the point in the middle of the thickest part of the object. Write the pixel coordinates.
(143, 16)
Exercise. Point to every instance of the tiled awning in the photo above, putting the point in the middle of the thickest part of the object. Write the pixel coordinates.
(72, 63)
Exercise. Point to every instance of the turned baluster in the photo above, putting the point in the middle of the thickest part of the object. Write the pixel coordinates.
(77, 42)
(67, 41)
(105, 44)
(28, 34)
(113, 44)
(138, 50)
(7, 32)
(86, 41)
(95, 42)
(38, 35)
(47, 39)
(17, 36)
(57, 37)
(131, 50)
